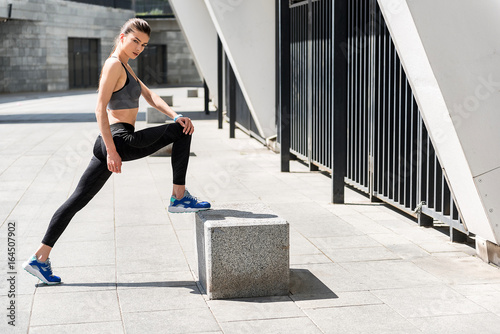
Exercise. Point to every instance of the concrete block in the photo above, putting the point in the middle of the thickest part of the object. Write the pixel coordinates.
(164, 152)
(169, 99)
(154, 116)
(243, 251)
(487, 251)
(192, 92)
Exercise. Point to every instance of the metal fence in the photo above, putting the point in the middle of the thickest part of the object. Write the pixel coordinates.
(153, 7)
(142, 7)
(238, 111)
(312, 96)
(389, 154)
(124, 4)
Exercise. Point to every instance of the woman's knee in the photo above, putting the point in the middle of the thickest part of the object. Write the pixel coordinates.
(178, 131)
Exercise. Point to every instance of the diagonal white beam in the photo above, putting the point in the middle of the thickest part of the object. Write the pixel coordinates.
(201, 37)
(247, 31)
(425, 51)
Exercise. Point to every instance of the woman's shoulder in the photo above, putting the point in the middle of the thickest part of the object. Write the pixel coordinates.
(112, 65)
(113, 62)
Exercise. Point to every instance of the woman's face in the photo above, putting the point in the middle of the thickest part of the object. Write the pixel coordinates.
(134, 43)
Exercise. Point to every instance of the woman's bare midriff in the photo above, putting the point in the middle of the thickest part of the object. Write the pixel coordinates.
(123, 116)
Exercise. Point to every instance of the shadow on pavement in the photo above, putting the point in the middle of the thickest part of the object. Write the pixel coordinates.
(55, 118)
(222, 214)
(161, 284)
(305, 286)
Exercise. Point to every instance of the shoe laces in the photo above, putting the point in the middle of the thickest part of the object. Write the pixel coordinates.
(49, 267)
(188, 195)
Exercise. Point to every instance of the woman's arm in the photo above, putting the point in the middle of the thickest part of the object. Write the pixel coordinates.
(159, 104)
(110, 74)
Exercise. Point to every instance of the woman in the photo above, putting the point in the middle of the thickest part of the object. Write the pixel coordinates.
(116, 113)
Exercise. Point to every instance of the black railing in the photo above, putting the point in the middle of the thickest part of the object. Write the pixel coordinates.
(123, 4)
(389, 154)
(153, 8)
(238, 112)
(299, 104)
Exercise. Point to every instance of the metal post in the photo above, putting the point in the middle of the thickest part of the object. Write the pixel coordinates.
(424, 220)
(207, 97)
(309, 87)
(232, 103)
(283, 79)
(340, 62)
(220, 102)
(457, 236)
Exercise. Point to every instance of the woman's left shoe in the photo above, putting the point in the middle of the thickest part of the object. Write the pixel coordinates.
(188, 203)
(41, 270)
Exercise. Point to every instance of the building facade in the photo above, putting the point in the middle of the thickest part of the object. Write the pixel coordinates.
(58, 45)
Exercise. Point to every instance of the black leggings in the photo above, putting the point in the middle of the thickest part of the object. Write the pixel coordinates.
(130, 145)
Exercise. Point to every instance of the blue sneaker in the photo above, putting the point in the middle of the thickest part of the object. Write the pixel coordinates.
(41, 270)
(187, 203)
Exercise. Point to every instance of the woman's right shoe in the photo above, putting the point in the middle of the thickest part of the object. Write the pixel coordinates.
(188, 203)
(41, 270)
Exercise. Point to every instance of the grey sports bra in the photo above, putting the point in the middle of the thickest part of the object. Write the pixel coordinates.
(126, 97)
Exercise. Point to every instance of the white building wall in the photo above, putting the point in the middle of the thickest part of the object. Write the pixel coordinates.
(200, 35)
(450, 52)
(247, 32)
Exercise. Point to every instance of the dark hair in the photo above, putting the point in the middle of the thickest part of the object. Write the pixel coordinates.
(133, 24)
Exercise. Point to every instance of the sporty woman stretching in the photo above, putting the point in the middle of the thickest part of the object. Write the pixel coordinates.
(116, 113)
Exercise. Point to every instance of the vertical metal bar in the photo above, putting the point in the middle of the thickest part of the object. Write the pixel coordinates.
(339, 163)
(387, 116)
(424, 220)
(348, 55)
(383, 109)
(362, 114)
(371, 99)
(309, 83)
(357, 92)
(313, 34)
(379, 84)
(368, 86)
(393, 121)
(220, 95)
(232, 102)
(283, 75)
(207, 97)
(400, 140)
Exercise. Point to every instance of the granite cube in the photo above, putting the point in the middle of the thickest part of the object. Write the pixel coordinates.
(243, 251)
(192, 92)
(154, 116)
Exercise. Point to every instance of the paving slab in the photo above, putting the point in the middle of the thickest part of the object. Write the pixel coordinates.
(436, 300)
(106, 327)
(459, 324)
(302, 325)
(160, 298)
(254, 308)
(75, 307)
(183, 321)
(389, 274)
(360, 319)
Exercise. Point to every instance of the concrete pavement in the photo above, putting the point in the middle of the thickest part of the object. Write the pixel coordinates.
(128, 265)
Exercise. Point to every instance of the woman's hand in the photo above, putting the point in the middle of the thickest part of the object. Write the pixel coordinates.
(186, 124)
(114, 162)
